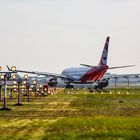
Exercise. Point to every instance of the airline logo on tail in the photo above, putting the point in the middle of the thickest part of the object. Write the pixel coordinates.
(103, 60)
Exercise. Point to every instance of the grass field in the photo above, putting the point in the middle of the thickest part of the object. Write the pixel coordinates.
(77, 115)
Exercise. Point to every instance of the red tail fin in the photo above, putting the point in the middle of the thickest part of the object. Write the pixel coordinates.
(103, 60)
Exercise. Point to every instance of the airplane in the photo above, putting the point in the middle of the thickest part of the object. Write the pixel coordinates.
(86, 74)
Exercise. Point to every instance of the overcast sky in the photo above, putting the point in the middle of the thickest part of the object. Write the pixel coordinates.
(50, 35)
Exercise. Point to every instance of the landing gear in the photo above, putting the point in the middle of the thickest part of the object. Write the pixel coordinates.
(100, 89)
(90, 90)
(101, 84)
(97, 89)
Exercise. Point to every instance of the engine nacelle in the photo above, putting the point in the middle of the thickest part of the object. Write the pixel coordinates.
(102, 84)
(53, 82)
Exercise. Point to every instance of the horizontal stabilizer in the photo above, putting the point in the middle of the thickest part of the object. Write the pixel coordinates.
(87, 65)
(121, 67)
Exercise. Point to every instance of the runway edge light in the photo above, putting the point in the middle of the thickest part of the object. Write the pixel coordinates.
(26, 76)
(0, 68)
(13, 68)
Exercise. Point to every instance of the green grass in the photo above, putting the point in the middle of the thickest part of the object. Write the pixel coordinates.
(78, 115)
(71, 128)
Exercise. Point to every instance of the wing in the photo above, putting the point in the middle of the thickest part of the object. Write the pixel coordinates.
(39, 73)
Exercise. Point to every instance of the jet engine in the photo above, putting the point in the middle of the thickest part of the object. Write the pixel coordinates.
(52, 82)
(101, 84)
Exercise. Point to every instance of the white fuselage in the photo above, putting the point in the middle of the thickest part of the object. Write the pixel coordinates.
(75, 72)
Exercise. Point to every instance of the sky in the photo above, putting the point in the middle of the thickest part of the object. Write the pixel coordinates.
(50, 35)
